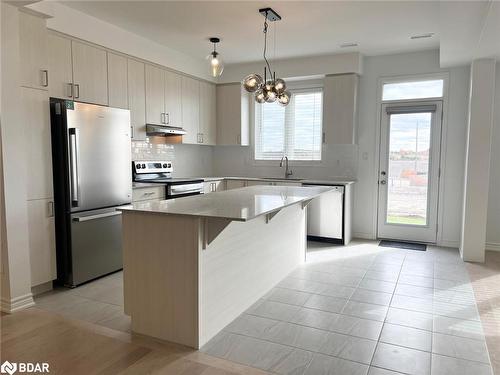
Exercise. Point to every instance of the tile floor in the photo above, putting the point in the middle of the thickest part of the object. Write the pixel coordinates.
(363, 309)
(360, 309)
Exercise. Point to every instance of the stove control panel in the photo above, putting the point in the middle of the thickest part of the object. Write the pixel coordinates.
(156, 166)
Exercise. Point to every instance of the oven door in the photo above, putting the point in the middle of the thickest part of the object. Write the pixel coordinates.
(184, 190)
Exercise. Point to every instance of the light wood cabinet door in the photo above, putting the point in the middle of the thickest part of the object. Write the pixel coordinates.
(190, 110)
(90, 73)
(60, 67)
(38, 143)
(232, 115)
(235, 184)
(117, 81)
(173, 99)
(340, 108)
(137, 99)
(155, 95)
(33, 51)
(208, 127)
(42, 241)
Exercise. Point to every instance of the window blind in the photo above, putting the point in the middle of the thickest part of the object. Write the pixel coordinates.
(294, 131)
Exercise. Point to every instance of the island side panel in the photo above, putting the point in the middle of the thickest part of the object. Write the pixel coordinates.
(160, 272)
(244, 262)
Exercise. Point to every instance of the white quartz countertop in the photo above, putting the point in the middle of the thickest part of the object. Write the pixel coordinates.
(332, 181)
(237, 204)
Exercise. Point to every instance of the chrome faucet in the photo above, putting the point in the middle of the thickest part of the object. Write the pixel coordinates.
(288, 172)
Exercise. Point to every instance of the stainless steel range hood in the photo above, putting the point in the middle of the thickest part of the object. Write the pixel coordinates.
(163, 130)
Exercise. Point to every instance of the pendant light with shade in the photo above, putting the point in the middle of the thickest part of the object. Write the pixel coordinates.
(268, 89)
(216, 65)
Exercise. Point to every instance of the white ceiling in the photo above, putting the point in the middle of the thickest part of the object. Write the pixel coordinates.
(307, 28)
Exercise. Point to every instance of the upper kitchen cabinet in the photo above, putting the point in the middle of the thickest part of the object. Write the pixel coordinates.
(155, 95)
(208, 129)
(339, 108)
(137, 99)
(90, 73)
(117, 81)
(33, 51)
(60, 67)
(232, 115)
(191, 110)
(173, 99)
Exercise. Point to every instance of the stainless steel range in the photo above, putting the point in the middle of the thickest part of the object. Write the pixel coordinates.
(160, 172)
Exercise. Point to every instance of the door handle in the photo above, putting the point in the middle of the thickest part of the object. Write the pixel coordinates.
(73, 158)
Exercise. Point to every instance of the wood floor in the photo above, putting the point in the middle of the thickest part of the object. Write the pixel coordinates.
(485, 279)
(77, 347)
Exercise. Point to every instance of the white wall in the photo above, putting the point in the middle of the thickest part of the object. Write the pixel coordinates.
(299, 67)
(493, 223)
(454, 129)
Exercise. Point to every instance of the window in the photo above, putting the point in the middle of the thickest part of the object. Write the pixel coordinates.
(413, 90)
(294, 131)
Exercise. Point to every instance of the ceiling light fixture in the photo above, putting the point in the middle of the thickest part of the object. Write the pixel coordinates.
(347, 45)
(422, 36)
(272, 89)
(215, 61)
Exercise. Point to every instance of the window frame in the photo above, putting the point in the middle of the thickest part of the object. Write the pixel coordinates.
(444, 76)
(292, 86)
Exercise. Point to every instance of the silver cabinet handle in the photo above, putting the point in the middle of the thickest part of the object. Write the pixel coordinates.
(132, 131)
(45, 81)
(167, 117)
(70, 90)
(50, 208)
(77, 91)
(97, 216)
(162, 118)
(73, 159)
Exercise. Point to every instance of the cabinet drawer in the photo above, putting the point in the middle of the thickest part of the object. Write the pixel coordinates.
(149, 193)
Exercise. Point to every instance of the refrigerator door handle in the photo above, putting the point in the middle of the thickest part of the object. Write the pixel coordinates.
(73, 156)
(97, 216)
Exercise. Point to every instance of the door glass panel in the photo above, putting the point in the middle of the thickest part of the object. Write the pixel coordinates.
(408, 172)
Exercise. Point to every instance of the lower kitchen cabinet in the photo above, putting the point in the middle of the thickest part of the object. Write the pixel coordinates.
(152, 193)
(42, 241)
(235, 184)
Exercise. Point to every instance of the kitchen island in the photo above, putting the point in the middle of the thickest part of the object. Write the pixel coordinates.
(192, 265)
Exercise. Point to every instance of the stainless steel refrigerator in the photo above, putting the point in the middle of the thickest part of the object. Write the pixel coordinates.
(92, 176)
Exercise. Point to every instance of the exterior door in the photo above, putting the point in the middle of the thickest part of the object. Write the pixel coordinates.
(409, 171)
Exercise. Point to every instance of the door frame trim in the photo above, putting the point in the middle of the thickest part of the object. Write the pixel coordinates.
(445, 75)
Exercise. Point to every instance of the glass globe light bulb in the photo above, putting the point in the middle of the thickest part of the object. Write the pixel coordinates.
(260, 96)
(216, 65)
(279, 85)
(270, 96)
(284, 98)
(252, 82)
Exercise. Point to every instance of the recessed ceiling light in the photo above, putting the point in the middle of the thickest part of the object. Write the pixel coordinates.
(422, 36)
(346, 45)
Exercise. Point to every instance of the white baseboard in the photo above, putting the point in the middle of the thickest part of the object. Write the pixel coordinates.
(448, 243)
(364, 236)
(16, 304)
(492, 246)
